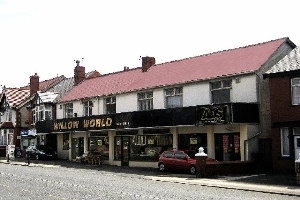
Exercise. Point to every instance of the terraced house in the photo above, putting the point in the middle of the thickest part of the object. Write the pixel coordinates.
(216, 101)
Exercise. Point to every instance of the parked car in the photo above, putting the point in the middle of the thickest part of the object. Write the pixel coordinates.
(178, 160)
(41, 152)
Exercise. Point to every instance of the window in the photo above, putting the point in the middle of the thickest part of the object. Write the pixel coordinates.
(145, 101)
(88, 108)
(174, 97)
(220, 91)
(295, 84)
(68, 110)
(42, 112)
(285, 141)
(7, 137)
(110, 105)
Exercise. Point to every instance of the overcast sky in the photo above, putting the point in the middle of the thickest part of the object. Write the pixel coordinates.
(45, 37)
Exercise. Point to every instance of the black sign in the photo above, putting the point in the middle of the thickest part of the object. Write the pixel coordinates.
(212, 114)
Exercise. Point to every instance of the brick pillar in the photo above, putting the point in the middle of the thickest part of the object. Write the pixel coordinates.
(201, 163)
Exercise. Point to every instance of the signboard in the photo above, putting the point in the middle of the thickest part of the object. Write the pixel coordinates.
(211, 114)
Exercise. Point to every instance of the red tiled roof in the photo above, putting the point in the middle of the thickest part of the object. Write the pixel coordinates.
(224, 63)
(43, 85)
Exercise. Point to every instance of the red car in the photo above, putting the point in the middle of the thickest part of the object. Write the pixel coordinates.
(179, 160)
(176, 160)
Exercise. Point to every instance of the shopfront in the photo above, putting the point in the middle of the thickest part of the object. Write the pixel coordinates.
(139, 137)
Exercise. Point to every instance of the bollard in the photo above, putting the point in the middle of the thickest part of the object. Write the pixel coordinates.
(7, 157)
(201, 163)
(28, 157)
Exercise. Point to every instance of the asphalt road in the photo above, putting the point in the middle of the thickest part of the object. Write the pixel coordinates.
(69, 181)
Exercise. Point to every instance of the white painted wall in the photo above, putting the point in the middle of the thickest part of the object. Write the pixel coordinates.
(244, 90)
(194, 94)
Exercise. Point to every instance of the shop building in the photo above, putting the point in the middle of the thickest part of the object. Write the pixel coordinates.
(216, 101)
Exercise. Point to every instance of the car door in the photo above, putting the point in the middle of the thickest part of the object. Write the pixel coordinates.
(180, 160)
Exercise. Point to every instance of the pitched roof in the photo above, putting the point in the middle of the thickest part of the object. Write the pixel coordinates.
(15, 96)
(209, 66)
(290, 63)
(44, 85)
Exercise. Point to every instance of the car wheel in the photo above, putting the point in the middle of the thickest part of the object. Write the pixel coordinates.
(192, 170)
(162, 167)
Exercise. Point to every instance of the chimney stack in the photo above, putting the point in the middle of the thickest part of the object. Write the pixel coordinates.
(79, 73)
(147, 62)
(34, 84)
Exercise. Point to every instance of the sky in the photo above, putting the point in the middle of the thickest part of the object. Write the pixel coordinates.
(47, 36)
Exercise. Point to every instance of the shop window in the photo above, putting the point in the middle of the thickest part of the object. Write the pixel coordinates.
(191, 143)
(66, 143)
(220, 91)
(110, 105)
(295, 84)
(99, 144)
(88, 108)
(145, 101)
(144, 147)
(68, 110)
(173, 97)
(285, 142)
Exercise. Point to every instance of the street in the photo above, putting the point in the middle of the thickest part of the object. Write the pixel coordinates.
(61, 182)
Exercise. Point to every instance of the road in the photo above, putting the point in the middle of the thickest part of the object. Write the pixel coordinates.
(61, 182)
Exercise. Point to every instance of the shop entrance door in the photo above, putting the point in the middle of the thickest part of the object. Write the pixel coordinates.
(77, 147)
(227, 146)
(125, 151)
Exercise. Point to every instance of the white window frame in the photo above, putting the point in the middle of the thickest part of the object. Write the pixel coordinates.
(295, 91)
(145, 101)
(223, 85)
(285, 142)
(174, 97)
(110, 101)
(68, 110)
(41, 112)
(87, 107)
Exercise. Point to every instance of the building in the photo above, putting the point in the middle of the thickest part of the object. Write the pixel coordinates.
(15, 118)
(284, 84)
(216, 101)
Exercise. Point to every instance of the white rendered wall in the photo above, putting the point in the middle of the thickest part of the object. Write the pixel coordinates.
(244, 90)
(196, 94)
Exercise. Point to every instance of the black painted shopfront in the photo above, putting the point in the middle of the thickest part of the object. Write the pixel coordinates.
(156, 137)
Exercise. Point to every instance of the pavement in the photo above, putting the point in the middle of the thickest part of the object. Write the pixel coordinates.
(268, 183)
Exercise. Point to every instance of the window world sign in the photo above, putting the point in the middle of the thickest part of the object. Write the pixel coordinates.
(77, 124)
(212, 114)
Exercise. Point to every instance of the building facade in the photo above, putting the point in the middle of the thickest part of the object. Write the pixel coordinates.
(284, 84)
(215, 101)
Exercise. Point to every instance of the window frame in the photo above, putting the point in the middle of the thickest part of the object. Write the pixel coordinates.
(285, 143)
(68, 110)
(174, 94)
(294, 88)
(110, 105)
(145, 100)
(223, 87)
(88, 107)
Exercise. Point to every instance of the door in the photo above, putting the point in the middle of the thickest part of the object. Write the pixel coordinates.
(297, 147)
(227, 147)
(125, 151)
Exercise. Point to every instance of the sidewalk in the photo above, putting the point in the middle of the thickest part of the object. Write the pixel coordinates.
(268, 183)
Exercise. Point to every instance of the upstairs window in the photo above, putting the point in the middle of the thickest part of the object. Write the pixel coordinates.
(145, 101)
(88, 108)
(110, 105)
(295, 84)
(220, 91)
(173, 97)
(42, 112)
(68, 110)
